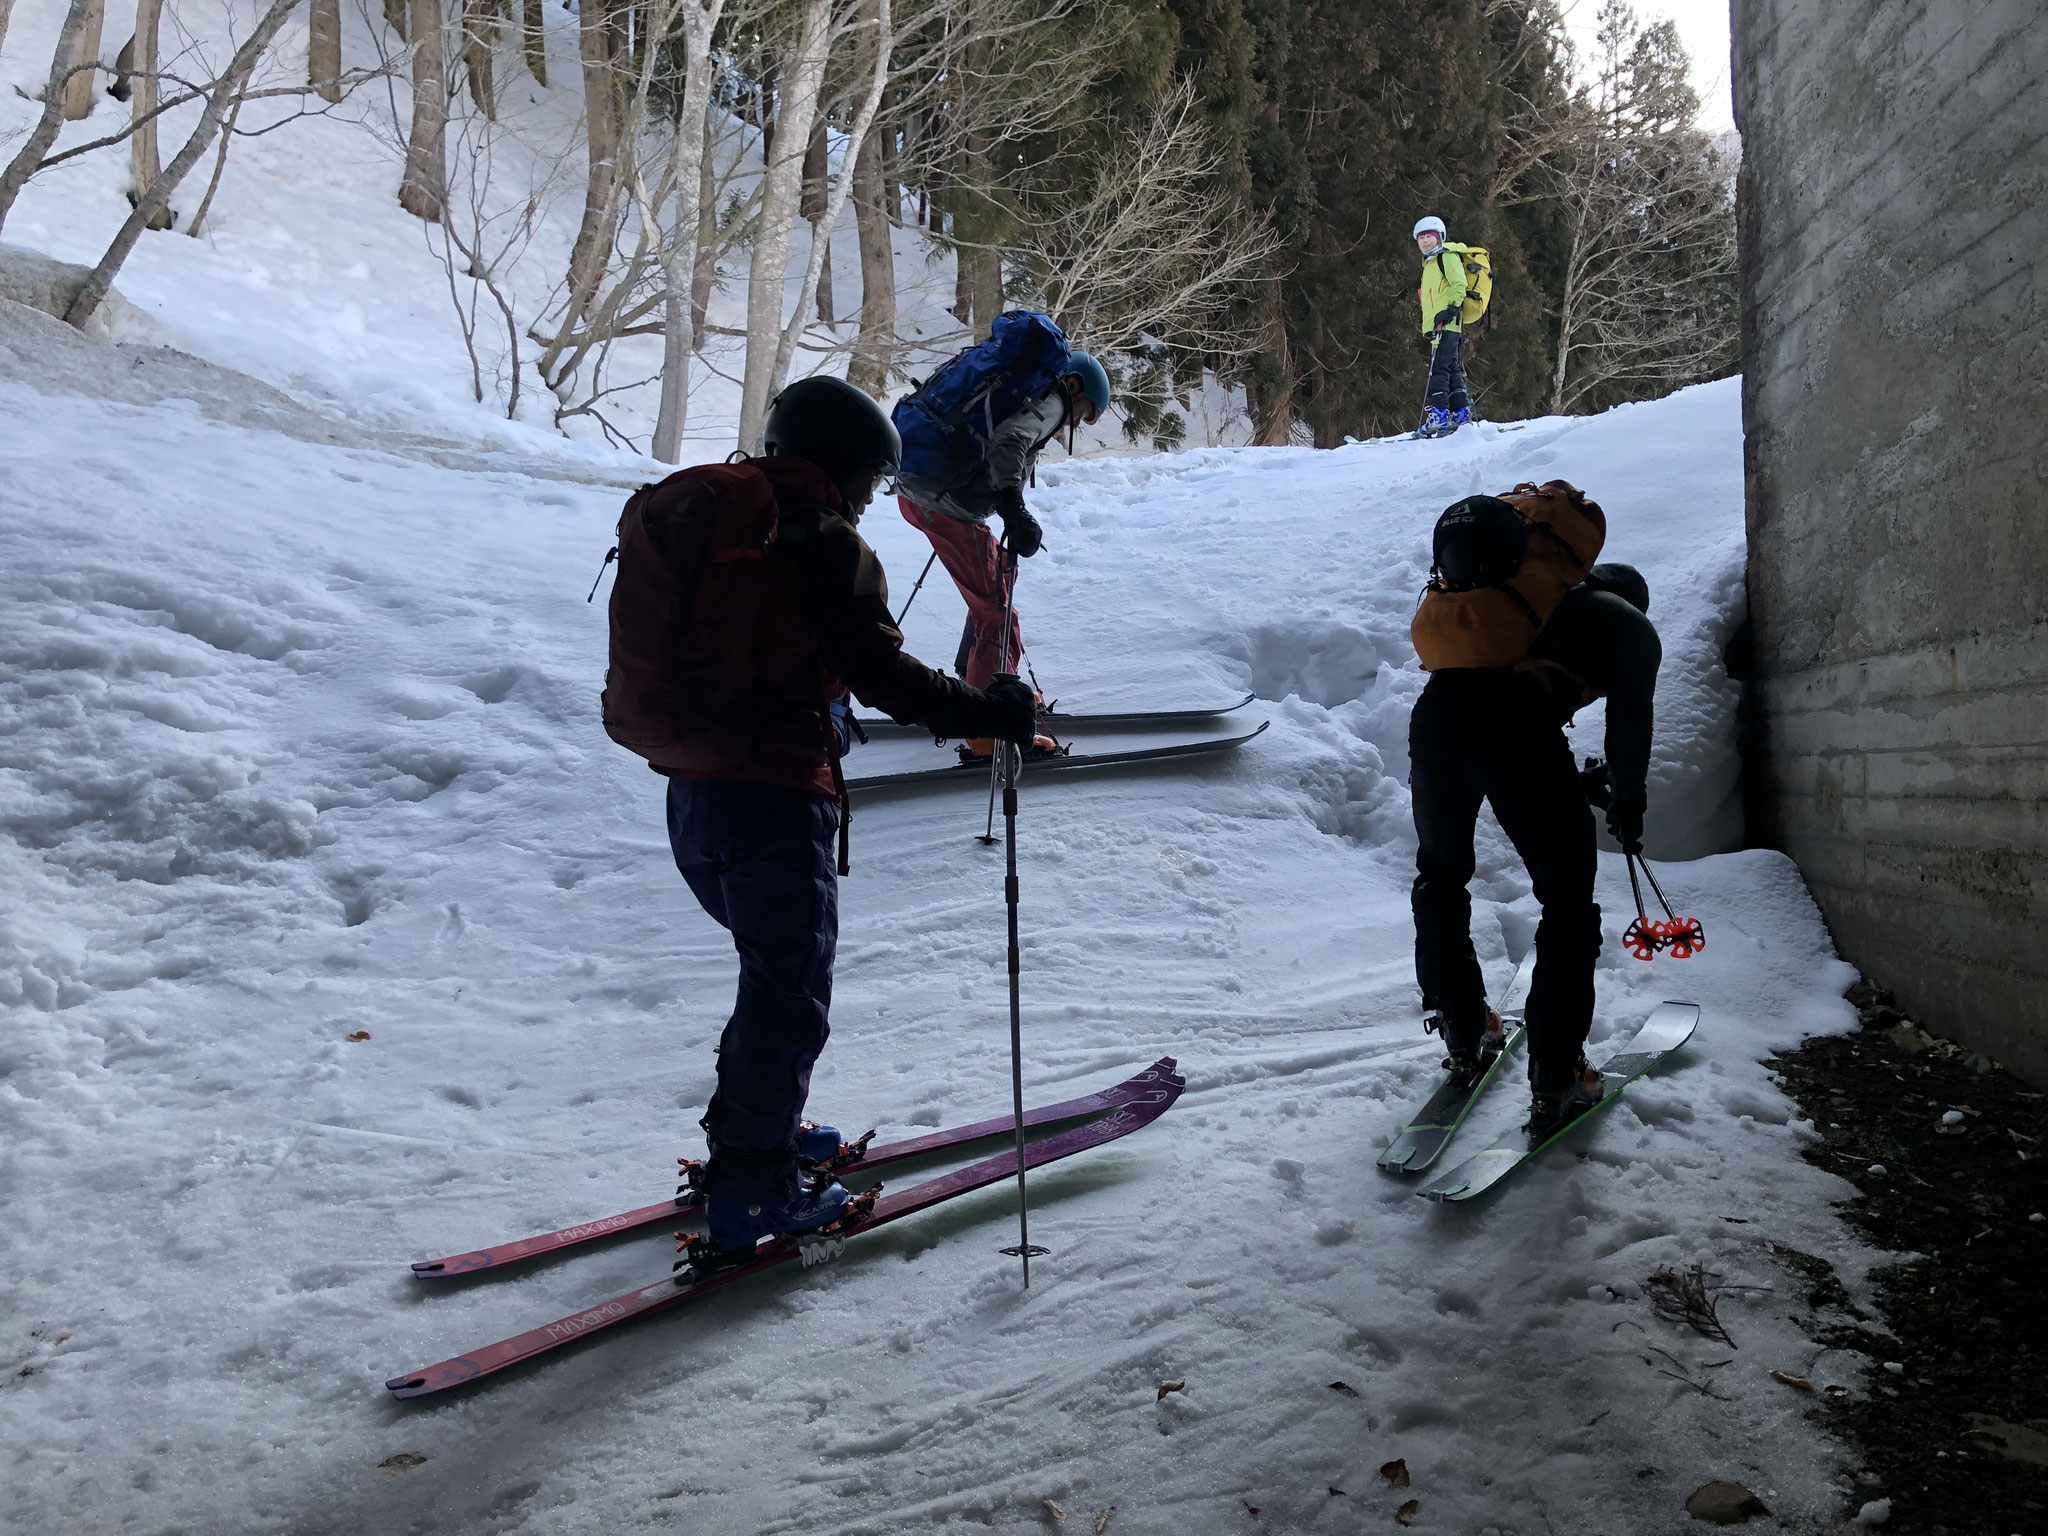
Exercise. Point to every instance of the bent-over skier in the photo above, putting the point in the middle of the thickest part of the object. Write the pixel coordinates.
(747, 604)
(1011, 394)
(1518, 631)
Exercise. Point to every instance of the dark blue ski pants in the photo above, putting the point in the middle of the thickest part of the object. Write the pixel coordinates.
(759, 859)
(1493, 736)
(1446, 391)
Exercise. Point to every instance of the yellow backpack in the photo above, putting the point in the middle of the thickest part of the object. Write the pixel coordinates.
(1478, 279)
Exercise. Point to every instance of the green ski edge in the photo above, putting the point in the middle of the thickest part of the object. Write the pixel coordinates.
(1422, 1141)
(1666, 1029)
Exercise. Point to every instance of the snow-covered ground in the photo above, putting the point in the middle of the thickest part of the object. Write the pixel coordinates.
(299, 743)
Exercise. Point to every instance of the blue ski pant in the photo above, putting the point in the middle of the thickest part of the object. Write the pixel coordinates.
(760, 860)
(1494, 736)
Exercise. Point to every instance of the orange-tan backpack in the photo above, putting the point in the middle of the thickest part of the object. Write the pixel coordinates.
(1500, 565)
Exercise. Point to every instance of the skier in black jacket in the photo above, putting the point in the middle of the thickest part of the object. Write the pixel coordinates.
(1497, 734)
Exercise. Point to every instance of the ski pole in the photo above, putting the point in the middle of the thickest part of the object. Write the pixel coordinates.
(913, 591)
(1012, 760)
(1428, 373)
(1006, 572)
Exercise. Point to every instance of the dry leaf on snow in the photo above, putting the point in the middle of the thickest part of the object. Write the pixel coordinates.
(1406, 1513)
(1396, 1473)
(1170, 1386)
(1799, 1383)
(1053, 1509)
(361, 1034)
(1345, 1387)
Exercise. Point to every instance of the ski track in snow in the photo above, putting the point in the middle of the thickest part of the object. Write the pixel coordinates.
(301, 740)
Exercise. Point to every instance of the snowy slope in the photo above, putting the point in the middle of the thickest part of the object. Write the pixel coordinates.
(298, 740)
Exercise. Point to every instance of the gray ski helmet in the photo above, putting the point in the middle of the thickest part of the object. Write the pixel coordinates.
(1094, 379)
(837, 428)
(1429, 225)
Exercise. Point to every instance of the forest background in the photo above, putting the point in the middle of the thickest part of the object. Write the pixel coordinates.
(1214, 195)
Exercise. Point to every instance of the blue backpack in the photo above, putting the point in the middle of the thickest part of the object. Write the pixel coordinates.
(946, 424)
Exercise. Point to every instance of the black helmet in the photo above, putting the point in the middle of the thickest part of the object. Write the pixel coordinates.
(1624, 581)
(1479, 542)
(840, 430)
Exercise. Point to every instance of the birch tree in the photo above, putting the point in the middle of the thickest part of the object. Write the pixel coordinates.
(81, 85)
(232, 82)
(143, 160)
(426, 154)
(64, 68)
(323, 44)
(781, 182)
(689, 163)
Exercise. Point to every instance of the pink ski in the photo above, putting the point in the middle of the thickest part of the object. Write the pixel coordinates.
(1129, 1091)
(813, 1248)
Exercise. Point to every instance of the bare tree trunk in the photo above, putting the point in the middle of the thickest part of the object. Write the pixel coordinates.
(395, 15)
(228, 88)
(692, 154)
(811, 208)
(856, 136)
(82, 87)
(704, 270)
(534, 40)
(1273, 418)
(6, 11)
(426, 153)
(143, 158)
(780, 185)
(323, 44)
(874, 347)
(479, 40)
(597, 40)
(51, 122)
(1567, 315)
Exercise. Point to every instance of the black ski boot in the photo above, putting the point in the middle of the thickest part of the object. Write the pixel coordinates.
(1551, 1111)
(1466, 1067)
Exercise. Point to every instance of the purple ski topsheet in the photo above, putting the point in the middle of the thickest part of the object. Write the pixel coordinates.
(668, 1211)
(478, 1363)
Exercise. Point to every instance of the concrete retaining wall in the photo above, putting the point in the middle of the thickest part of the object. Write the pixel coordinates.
(1894, 218)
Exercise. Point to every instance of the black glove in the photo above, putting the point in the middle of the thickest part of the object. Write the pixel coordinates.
(1013, 709)
(1026, 537)
(1447, 314)
(1594, 781)
(1626, 823)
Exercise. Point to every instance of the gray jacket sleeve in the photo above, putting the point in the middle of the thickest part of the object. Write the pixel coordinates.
(1018, 438)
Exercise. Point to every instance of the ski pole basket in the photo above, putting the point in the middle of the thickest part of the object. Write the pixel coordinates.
(1645, 936)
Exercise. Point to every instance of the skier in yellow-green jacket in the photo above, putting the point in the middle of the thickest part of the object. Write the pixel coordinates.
(1448, 406)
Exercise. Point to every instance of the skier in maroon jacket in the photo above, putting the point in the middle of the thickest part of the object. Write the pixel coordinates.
(754, 807)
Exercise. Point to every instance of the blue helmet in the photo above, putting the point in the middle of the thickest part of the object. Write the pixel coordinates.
(1094, 379)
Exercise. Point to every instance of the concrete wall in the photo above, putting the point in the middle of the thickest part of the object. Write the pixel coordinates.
(1894, 205)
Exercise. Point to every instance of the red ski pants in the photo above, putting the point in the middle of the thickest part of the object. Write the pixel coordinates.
(969, 553)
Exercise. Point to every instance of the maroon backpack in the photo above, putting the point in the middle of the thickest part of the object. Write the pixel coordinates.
(713, 669)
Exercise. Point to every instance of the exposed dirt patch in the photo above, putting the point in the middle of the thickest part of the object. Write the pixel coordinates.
(1950, 1154)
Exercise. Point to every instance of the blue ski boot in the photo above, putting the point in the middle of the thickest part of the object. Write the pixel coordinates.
(1435, 422)
(1461, 417)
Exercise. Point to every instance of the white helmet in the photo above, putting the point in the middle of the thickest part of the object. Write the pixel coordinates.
(1430, 225)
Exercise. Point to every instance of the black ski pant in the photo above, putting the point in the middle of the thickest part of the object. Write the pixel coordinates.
(759, 858)
(1447, 374)
(1494, 736)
